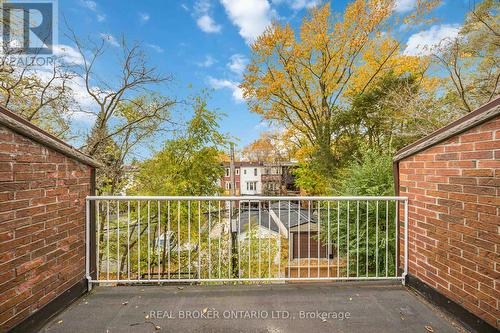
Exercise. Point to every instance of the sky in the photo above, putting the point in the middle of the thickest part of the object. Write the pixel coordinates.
(204, 44)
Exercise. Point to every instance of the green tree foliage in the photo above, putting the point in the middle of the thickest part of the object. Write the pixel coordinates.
(310, 179)
(355, 225)
(111, 142)
(370, 175)
(258, 255)
(188, 164)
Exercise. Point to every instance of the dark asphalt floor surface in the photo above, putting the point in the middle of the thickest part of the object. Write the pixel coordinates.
(310, 308)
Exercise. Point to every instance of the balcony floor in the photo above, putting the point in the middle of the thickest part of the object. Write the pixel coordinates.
(373, 307)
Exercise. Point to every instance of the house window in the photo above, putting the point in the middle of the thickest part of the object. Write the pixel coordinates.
(227, 172)
(228, 185)
(251, 186)
(272, 186)
(245, 172)
(255, 172)
(237, 171)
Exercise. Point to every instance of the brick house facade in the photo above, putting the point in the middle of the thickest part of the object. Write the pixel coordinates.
(43, 185)
(452, 180)
(268, 178)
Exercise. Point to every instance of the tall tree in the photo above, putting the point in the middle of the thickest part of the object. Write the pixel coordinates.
(137, 78)
(471, 59)
(269, 147)
(305, 81)
(129, 109)
(189, 164)
(40, 94)
(380, 121)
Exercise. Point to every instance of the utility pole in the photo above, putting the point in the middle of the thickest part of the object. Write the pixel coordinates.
(232, 170)
(234, 232)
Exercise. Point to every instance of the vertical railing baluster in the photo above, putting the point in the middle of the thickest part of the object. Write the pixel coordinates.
(249, 239)
(299, 212)
(118, 240)
(396, 237)
(107, 245)
(319, 235)
(309, 238)
(189, 239)
(269, 240)
(88, 237)
(218, 246)
(387, 238)
(169, 239)
(128, 239)
(289, 234)
(329, 245)
(230, 242)
(338, 238)
(199, 239)
(405, 241)
(98, 241)
(259, 236)
(149, 240)
(138, 239)
(348, 236)
(179, 239)
(157, 241)
(357, 238)
(209, 241)
(367, 237)
(238, 239)
(376, 241)
(279, 240)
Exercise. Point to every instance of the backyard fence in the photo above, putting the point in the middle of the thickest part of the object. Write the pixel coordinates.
(245, 239)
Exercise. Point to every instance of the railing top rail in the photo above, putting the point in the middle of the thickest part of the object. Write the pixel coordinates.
(251, 198)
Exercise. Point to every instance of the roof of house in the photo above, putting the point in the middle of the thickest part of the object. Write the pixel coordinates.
(27, 129)
(477, 117)
(297, 216)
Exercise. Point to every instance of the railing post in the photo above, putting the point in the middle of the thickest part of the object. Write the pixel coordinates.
(405, 273)
(87, 244)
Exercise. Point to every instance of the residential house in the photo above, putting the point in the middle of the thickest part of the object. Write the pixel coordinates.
(250, 178)
(257, 178)
(280, 218)
(296, 225)
(278, 179)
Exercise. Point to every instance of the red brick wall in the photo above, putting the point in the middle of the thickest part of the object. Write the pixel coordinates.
(42, 225)
(454, 218)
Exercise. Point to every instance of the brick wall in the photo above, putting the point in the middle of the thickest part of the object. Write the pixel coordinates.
(454, 218)
(42, 225)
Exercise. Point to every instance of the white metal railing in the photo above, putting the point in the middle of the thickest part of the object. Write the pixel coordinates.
(146, 239)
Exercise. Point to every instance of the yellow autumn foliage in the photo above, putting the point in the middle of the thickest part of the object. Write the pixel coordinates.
(301, 79)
